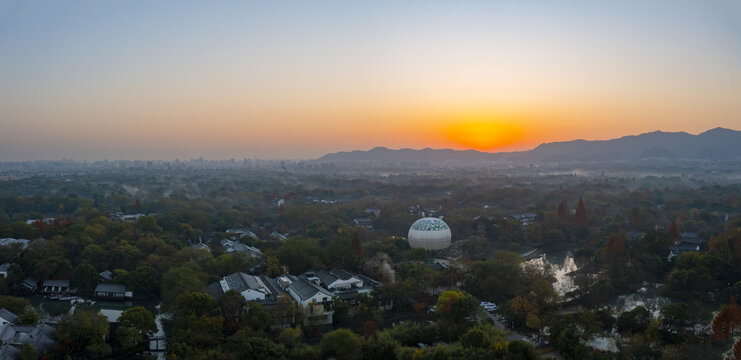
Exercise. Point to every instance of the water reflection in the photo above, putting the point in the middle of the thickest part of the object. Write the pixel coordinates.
(559, 265)
(648, 296)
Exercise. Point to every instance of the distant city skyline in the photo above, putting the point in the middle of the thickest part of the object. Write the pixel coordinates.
(188, 79)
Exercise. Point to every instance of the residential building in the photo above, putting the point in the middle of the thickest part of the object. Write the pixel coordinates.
(13, 337)
(7, 317)
(525, 219)
(279, 236)
(4, 268)
(106, 275)
(260, 288)
(55, 287)
(232, 246)
(236, 234)
(112, 291)
(688, 241)
(21, 243)
(363, 222)
(316, 301)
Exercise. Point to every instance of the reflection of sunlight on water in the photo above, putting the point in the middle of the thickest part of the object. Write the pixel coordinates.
(647, 296)
(559, 266)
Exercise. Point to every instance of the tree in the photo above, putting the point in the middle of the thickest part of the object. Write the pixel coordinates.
(231, 304)
(580, 218)
(82, 330)
(563, 211)
(290, 337)
(634, 321)
(522, 350)
(342, 344)
(726, 321)
(260, 349)
(85, 278)
(201, 332)
(568, 339)
(28, 352)
(497, 279)
(673, 319)
(357, 246)
(179, 280)
(380, 346)
(140, 321)
(257, 318)
(194, 303)
(457, 310)
(674, 232)
(143, 281)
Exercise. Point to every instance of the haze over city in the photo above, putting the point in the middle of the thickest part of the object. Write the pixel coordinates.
(141, 80)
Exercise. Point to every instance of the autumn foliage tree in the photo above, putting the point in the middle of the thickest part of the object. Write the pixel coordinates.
(674, 232)
(563, 211)
(580, 218)
(726, 321)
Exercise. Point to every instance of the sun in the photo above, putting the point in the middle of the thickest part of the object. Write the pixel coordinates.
(484, 135)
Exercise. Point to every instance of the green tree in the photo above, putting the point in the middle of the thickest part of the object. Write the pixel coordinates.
(231, 304)
(179, 280)
(260, 349)
(85, 278)
(497, 279)
(566, 336)
(143, 281)
(634, 321)
(342, 344)
(134, 325)
(290, 337)
(82, 330)
(673, 320)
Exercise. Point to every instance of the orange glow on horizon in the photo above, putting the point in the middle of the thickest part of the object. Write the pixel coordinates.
(484, 135)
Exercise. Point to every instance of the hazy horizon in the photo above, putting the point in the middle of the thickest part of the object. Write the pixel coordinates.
(138, 80)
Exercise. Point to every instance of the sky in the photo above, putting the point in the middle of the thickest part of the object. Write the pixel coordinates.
(297, 79)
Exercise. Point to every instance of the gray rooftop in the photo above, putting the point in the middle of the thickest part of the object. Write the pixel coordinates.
(8, 315)
(61, 283)
(305, 289)
(109, 287)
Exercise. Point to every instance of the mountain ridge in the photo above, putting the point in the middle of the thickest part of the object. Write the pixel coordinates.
(713, 144)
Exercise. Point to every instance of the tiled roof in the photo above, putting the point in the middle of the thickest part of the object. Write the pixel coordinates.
(108, 287)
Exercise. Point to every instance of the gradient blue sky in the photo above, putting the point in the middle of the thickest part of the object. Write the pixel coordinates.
(278, 79)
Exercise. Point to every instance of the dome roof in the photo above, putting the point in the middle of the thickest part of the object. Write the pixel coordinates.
(430, 234)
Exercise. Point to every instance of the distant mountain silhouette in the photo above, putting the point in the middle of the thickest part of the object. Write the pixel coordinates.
(715, 144)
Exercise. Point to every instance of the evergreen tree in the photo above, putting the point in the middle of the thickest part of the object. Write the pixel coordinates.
(580, 218)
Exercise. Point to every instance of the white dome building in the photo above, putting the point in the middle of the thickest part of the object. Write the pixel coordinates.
(430, 234)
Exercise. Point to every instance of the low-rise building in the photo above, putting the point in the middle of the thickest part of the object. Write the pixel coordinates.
(313, 291)
(55, 287)
(13, 337)
(236, 234)
(112, 291)
(316, 301)
(232, 246)
(4, 268)
(525, 219)
(279, 236)
(688, 241)
(21, 243)
(363, 222)
(106, 275)
(7, 317)
(252, 287)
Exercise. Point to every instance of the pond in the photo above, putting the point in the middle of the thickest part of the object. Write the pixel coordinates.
(559, 265)
(648, 296)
